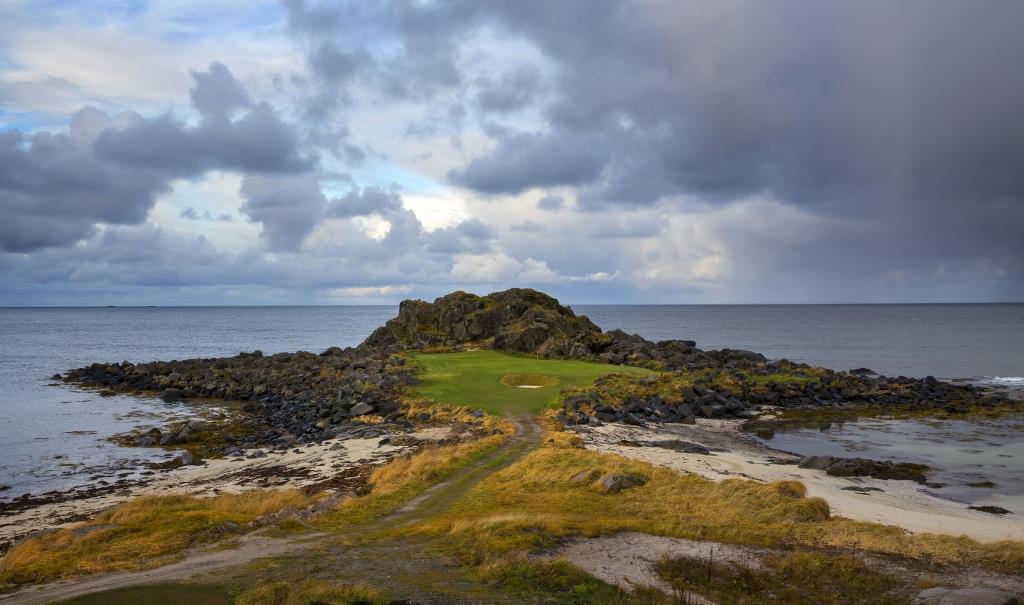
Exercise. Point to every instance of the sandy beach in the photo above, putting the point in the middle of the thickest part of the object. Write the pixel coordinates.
(736, 455)
(338, 464)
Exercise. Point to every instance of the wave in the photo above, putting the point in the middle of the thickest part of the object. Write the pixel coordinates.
(1008, 380)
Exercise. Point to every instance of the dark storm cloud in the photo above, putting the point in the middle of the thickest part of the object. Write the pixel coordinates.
(526, 160)
(898, 115)
(56, 187)
(830, 102)
(514, 90)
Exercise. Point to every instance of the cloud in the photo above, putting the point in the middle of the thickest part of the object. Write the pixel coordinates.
(288, 206)
(191, 214)
(514, 90)
(363, 202)
(551, 203)
(471, 235)
(526, 160)
(55, 188)
(528, 227)
(728, 152)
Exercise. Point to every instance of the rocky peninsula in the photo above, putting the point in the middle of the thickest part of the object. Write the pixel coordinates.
(347, 427)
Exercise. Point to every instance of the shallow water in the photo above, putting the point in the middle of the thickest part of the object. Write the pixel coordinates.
(960, 452)
(54, 437)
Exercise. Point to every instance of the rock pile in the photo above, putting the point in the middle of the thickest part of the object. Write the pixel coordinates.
(811, 388)
(293, 398)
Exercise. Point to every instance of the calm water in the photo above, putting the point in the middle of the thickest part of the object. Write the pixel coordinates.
(963, 453)
(51, 436)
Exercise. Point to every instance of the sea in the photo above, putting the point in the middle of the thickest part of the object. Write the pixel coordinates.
(55, 437)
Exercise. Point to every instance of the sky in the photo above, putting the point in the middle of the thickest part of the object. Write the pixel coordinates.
(245, 152)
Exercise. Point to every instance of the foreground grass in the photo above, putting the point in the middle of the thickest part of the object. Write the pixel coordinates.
(135, 534)
(312, 591)
(532, 504)
(149, 531)
(401, 479)
(473, 379)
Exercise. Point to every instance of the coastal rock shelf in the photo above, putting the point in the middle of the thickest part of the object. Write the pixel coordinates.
(293, 398)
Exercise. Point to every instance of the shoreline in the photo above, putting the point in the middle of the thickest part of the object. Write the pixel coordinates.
(341, 465)
(734, 455)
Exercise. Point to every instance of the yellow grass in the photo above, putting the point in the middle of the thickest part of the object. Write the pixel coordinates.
(531, 503)
(404, 477)
(312, 591)
(134, 534)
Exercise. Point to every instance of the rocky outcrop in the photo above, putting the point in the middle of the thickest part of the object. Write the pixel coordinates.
(291, 398)
(519, 320)
(863, 467)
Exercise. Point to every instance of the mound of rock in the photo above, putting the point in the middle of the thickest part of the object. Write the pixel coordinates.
(520, 320)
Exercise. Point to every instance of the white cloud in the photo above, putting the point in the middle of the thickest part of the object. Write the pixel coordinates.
(485, 268)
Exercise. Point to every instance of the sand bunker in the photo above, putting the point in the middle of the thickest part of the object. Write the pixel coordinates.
(528, 381)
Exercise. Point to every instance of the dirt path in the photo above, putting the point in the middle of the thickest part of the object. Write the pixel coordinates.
(435, 500)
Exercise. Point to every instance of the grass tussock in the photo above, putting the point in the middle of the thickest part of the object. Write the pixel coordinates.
(532, 504)
(134, 534)
(794, 579)
(444, 413)
(312, 591)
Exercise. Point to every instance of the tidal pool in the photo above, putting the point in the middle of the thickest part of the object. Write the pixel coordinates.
(977, 462)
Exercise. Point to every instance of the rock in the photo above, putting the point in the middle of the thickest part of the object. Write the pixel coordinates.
(170, 395)
(613, 483)
(168, 439)
(965, 596)
(185, 459)
(196, 424)
(585, 477)
(863, 467)
(682, 446)
(520, 319)
(56, 377)
(145, 441)
(256, 454)
(992, 510)
(361, 409)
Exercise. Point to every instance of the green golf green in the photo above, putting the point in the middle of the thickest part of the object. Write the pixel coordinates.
(501, 382)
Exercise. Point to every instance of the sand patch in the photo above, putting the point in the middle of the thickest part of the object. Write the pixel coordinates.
(627, 559)
(528, 381)
(299, 467)
(734, 454)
